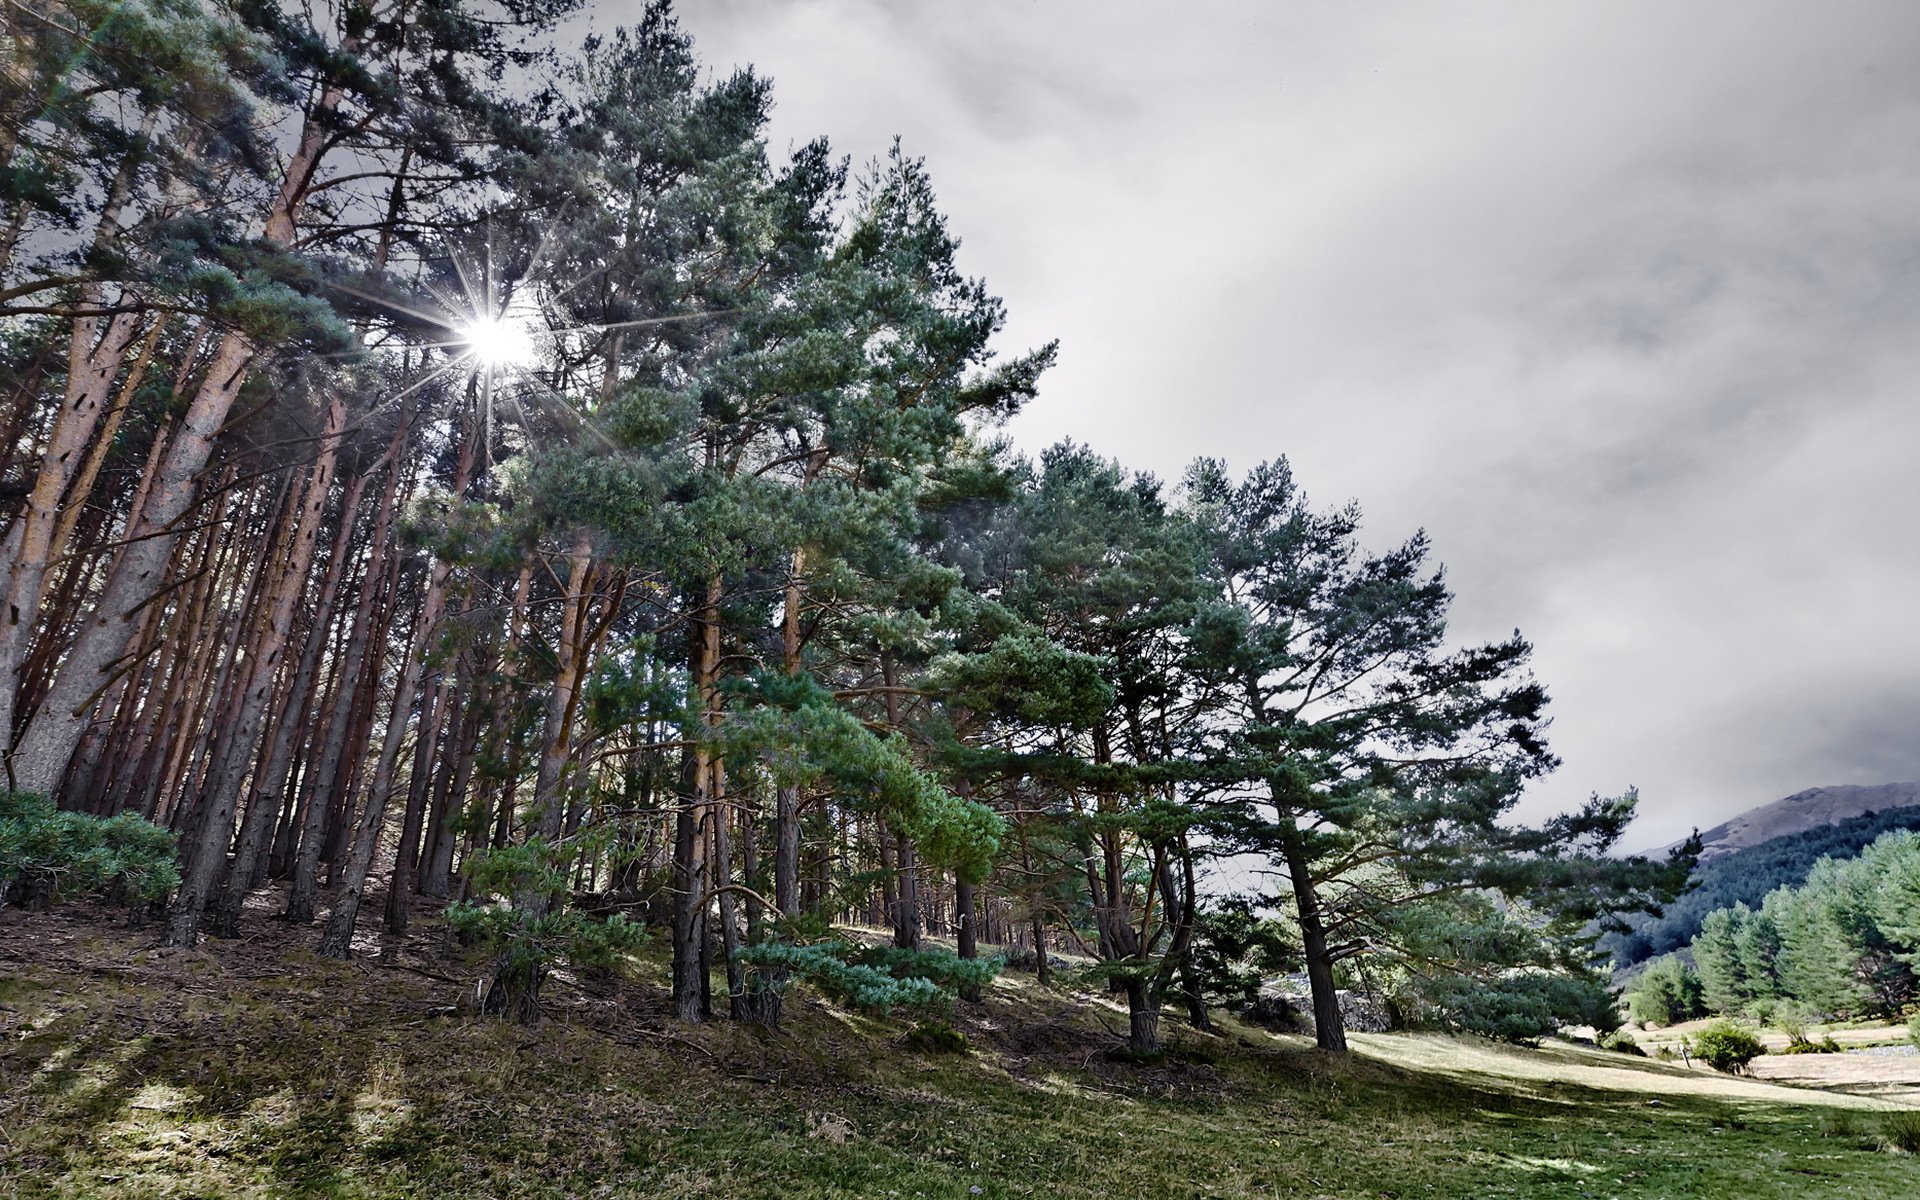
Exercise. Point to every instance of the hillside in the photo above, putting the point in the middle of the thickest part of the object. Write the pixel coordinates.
(1803, 811)
(135, 1071)
(1744, 875)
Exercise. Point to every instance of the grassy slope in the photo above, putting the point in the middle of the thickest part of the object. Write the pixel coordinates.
(252, 1070)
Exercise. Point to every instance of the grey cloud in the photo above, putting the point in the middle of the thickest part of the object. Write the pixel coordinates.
(1619, 300)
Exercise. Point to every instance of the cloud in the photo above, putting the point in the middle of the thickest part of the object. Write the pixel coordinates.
(1618, 300)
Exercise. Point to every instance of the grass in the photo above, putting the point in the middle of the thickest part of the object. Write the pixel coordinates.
(1903, 1131)
(249, 1071)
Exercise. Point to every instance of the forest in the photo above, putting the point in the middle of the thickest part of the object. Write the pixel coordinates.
(1746, 876)
(1842, 944)
(450, 475)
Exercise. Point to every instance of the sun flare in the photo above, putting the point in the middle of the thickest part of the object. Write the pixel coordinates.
(501, 342)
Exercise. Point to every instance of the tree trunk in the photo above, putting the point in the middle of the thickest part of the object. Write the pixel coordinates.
(94, 357)
(337, 942)
(263, 811)
(690, 837)
(361, 636)
(138, 576)
(786, 812)
(964, 933)
(1330, 1030)
(208, 861)
(1143, 1018)
(433, 704)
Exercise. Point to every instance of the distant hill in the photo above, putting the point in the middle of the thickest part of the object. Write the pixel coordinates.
(1765, 848)
(1803, 811)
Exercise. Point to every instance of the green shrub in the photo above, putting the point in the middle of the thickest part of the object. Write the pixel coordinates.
(1902, 1130)
(1666, 993)
(1621, 1042)
(526, 947)
(1726, 1047)
(47, 855)
(1913, 1030)
(1521, 1007)
(937, 1037)
(875, 978)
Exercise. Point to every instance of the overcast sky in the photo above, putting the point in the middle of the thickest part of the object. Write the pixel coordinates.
(1620, 301)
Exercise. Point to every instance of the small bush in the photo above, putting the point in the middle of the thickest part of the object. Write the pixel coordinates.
(1665, 1054)
(937, 1037)
(1727, 1047)
(875, 978)
(525, 947)
(1803, 1045)
(1666, 993)
(1843, 1123)
(1621, 1042)
(1913, 1030)
(1902, 1130)
(47, 855)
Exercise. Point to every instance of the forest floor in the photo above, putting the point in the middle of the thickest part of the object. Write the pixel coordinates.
(251, 1068)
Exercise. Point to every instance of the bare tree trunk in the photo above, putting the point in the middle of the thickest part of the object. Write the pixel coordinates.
(1143, 1018)
(360, 638)
(263, 811)
(1329, 1027)
(433, 691)
(337, 942)
(786, 813)
(48, 742)
(722, 817)
(690, 843)
(208, 861)
(94, 358)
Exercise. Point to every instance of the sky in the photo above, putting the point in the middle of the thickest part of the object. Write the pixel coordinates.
(1619, 301)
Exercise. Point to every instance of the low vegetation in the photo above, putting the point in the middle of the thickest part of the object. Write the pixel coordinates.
(134, 1071)
(1843, 945)
(1727, 1047)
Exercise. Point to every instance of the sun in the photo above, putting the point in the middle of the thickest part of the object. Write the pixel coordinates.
(501, 342)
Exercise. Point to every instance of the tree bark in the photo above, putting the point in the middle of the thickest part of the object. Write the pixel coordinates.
(1330, 1030)
(690, 838)
(361, 635)
(263, 811)
(138, 576)
(337, 942)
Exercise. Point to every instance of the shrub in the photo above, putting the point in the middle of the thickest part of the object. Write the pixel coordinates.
(1902, 1130)
(1621, 1042)
(1913, 1030)
(937, 1037)
(526, 947)
(875, 978)
(1522, 1007)
(47, 855)
(1726, 1047)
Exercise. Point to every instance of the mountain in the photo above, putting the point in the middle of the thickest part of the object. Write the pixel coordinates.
(1802, 811)
(1765, 848)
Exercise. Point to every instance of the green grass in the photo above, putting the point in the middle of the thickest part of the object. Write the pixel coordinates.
(210, 1075)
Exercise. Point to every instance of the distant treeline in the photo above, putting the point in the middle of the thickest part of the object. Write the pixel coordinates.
(1745, 877)
(1844, 944)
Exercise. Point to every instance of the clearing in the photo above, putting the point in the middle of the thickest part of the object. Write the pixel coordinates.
(250, 1068)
